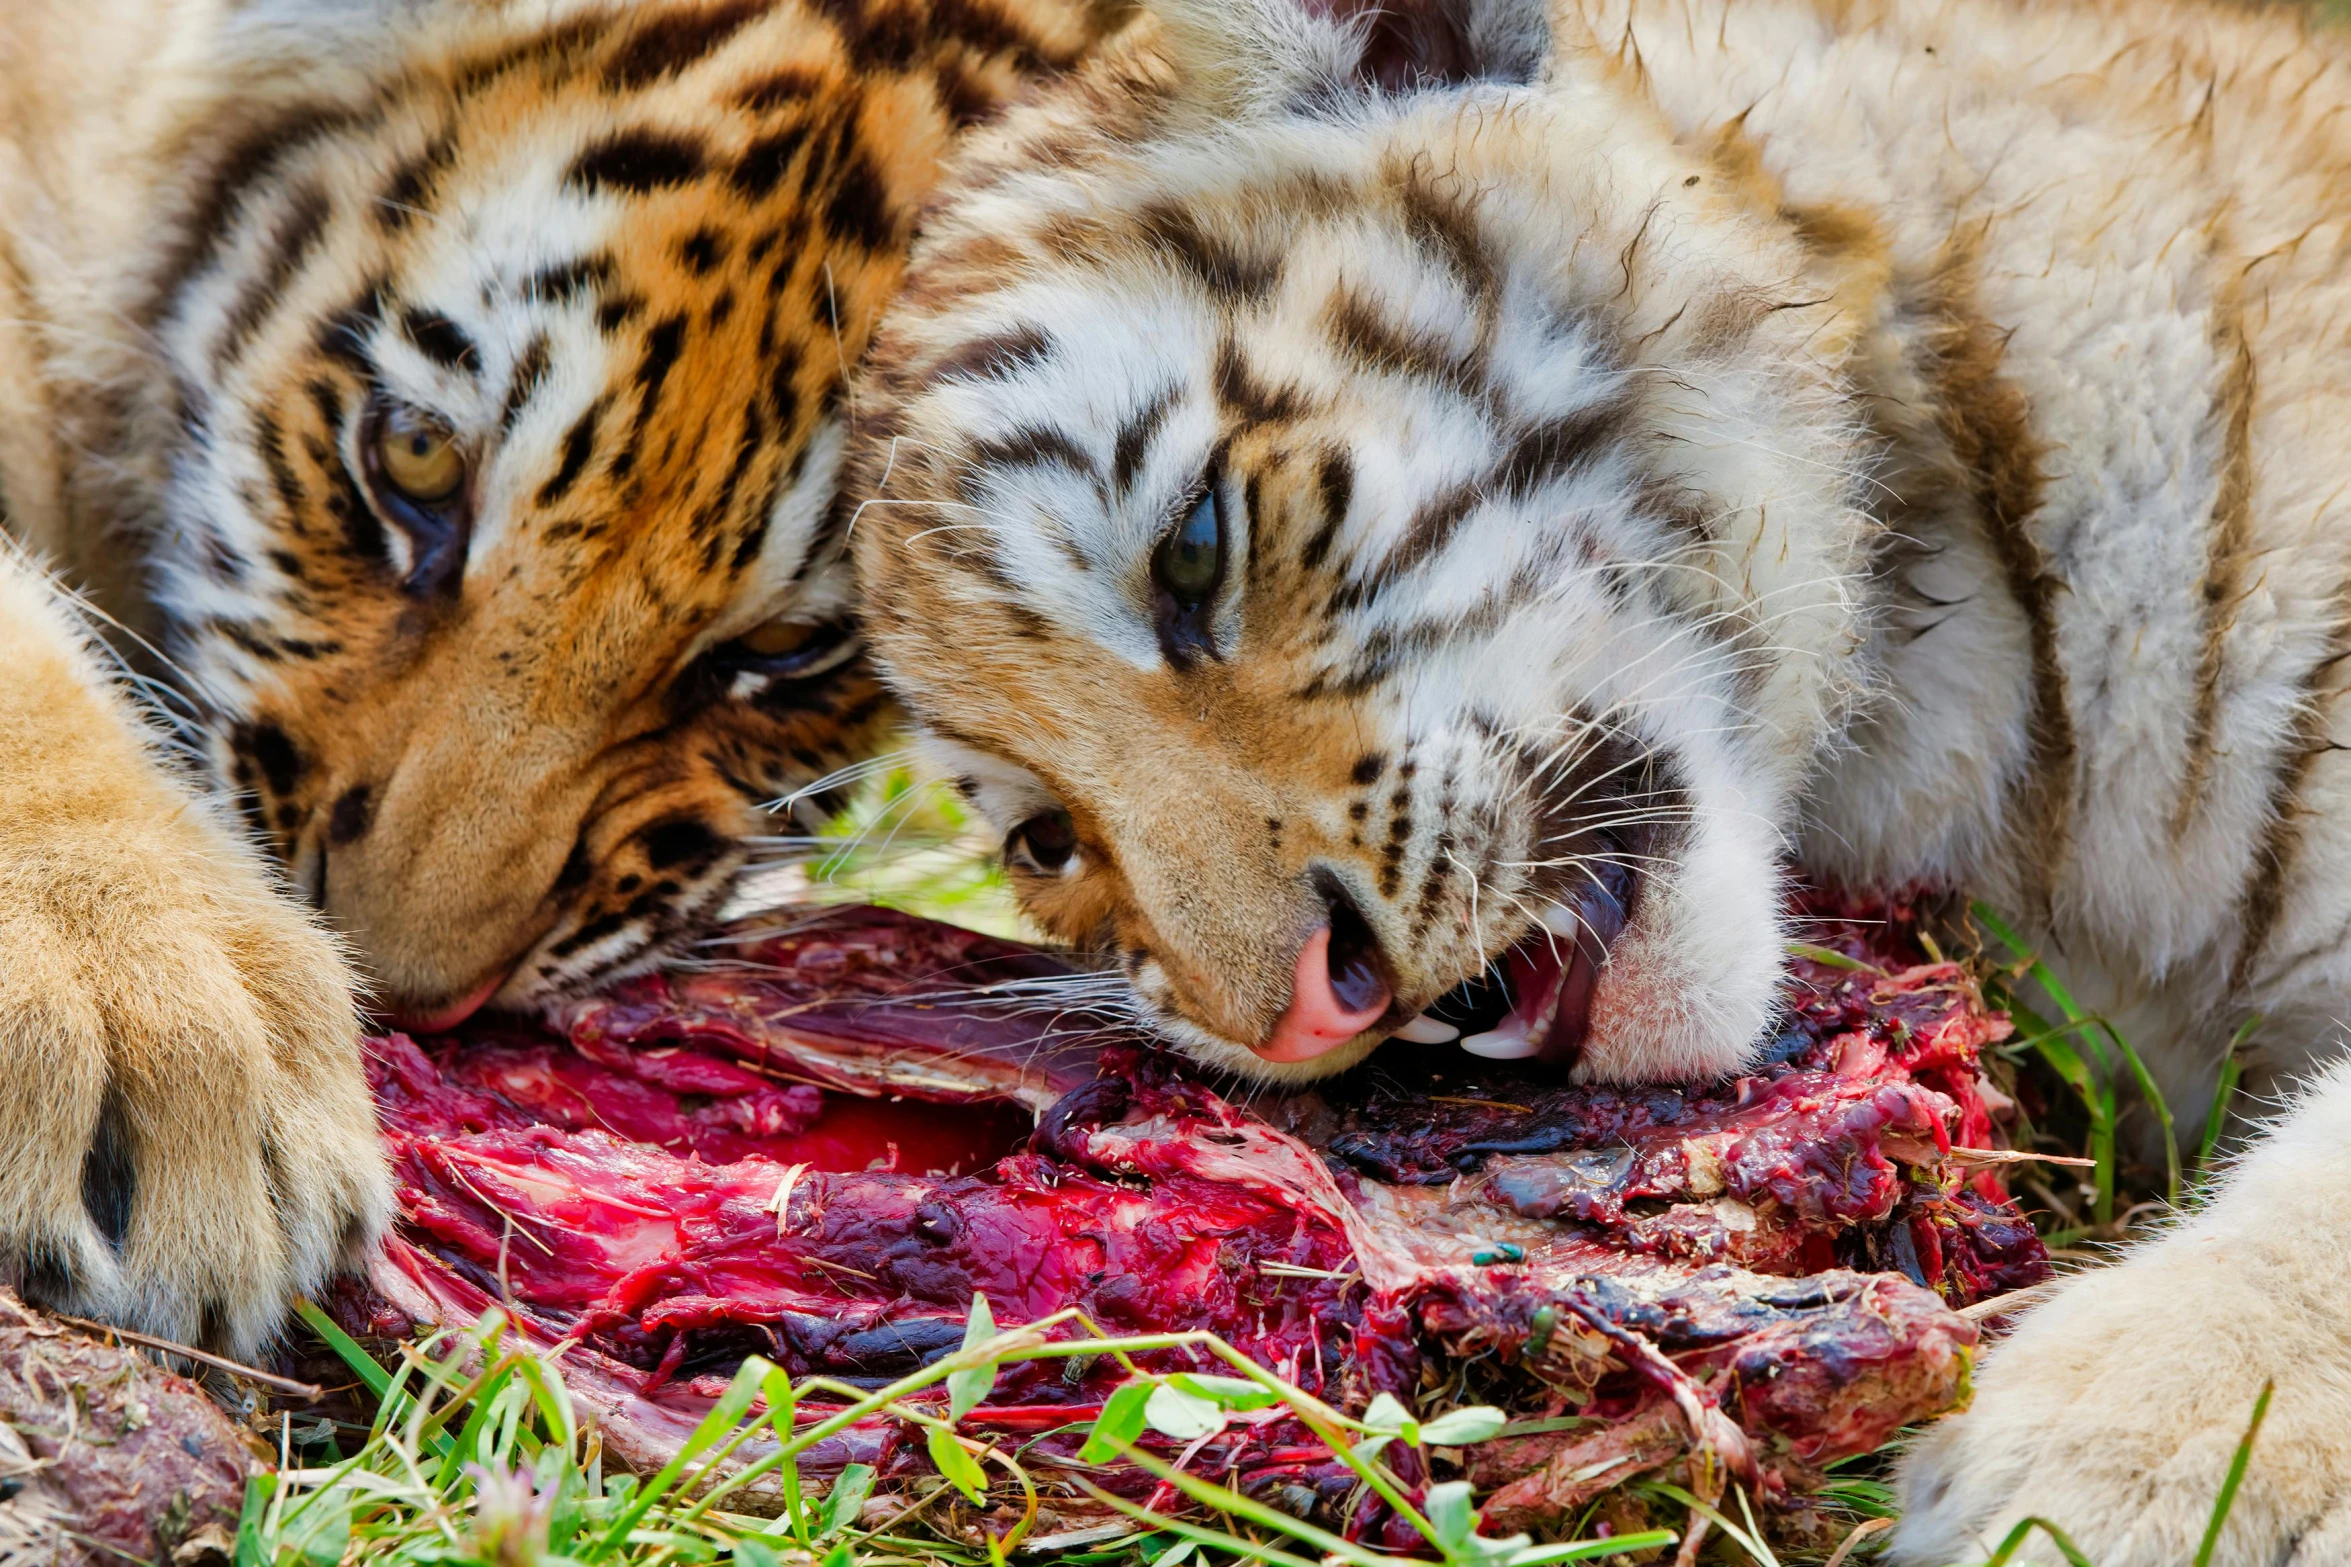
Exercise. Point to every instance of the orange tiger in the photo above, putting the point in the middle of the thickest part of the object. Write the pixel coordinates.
(453, 392)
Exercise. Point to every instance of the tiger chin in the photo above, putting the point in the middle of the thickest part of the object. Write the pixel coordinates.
(1416, 520)
(444, 400)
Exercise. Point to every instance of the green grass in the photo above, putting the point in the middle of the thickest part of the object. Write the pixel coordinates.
(477, 1455)
(2089, 1059)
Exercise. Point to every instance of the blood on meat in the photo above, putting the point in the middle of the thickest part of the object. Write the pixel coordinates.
(820, 1148)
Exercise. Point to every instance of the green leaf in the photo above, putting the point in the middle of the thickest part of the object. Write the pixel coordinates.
(752, 1551)
(319, 1531)
(1453, 1521)
(1829, 958)
(845, 1500)
(250, 1551)
(1173, 1554)
(840, 1556)
(775, 1386)
(1460, 1427)
(966, 1389)
(1184, 1416)
(961, 1469)
(1120, 1422)
(1386, 1414)
(1237, 1394)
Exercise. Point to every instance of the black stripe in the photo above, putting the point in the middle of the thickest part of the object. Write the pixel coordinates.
(779, 89)
(993, 358)
(411, 184)
(1560, 447)
(1336, 472)
(343, 336)
(860, 204)
(2264, 896)
(671, 43)
(1364, 334)
(765, 162)
(567, 280)
(441, 340)
(1221, 266)
(1446, 230)
(664, 341)
(1134, 439)
(703, 251)
(253, 160)
(639, 162)
(1032, 446)
(579, 444)
(1249, 400)
(296, 235)
(708, 520)
(530, 373)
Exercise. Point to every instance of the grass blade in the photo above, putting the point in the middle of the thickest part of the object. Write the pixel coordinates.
(2024, 1531)
(2236, 1476)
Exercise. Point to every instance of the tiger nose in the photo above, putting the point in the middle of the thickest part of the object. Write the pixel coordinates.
(1336, 991)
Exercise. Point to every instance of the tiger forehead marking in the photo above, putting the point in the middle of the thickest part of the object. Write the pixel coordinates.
(508, 411)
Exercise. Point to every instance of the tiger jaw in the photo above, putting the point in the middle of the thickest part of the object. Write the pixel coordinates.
(1551, 976)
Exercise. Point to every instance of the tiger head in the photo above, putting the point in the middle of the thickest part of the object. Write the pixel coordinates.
(507, 345)
(1364, 508)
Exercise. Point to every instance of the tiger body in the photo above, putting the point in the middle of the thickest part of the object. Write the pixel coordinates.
(1362, 497)
(452, 391)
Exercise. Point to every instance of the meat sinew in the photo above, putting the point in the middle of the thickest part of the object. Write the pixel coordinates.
(820, 1148)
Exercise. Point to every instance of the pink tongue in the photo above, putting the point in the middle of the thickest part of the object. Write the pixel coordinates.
(1317, 1020)
(442, 1019)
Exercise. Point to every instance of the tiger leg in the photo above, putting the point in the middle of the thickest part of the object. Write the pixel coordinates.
(2115, 1409)
(185, 1132)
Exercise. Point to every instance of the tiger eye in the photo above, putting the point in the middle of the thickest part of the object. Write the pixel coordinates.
(1191, 562)
(418, 458)
(780, 638)
(1046, 844)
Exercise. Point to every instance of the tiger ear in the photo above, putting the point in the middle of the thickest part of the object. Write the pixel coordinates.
(1275, 55)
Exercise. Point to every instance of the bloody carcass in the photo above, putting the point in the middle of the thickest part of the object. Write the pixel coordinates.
(820, 1144)
(106, 1457)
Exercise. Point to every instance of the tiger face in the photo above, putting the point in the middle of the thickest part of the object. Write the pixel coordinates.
(1364, 526)
(501, 541)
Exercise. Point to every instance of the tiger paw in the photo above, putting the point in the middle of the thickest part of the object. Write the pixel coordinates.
(185, 1133)
(2115, 1410)
(186, 1138)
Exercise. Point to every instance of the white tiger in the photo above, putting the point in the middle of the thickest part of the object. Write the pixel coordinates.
(1363, 494)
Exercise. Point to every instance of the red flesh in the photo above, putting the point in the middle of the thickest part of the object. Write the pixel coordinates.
(620, 1186)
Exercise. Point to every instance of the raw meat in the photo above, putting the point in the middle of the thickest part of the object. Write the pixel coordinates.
(106, 1457)
(819, 1147)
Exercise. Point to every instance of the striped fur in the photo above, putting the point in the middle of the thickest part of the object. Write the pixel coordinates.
(509, 745)
(1897, 438)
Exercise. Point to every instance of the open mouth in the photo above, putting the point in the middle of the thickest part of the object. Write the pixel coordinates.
(1533, 1002)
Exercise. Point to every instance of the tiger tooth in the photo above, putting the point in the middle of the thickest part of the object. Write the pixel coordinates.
(1503, 1044)
(1426, 1030)
(1562, 921)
